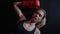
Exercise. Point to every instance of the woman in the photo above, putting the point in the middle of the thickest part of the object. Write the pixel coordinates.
(28, 27)
(39, 19)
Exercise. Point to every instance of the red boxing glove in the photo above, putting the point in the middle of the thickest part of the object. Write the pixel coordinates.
(31, 3)
(37, 3)
(27, 4)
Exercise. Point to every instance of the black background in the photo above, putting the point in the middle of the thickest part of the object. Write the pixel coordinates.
(52, 8)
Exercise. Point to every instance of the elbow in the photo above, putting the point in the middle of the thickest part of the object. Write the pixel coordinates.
(14, 4)
(17, 3)
(43, 22)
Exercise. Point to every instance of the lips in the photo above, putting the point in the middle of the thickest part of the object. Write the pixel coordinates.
(35, 19)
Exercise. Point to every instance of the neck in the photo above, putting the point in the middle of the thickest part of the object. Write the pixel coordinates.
(29, 22)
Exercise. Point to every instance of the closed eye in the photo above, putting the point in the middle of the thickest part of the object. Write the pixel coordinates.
(39, 14)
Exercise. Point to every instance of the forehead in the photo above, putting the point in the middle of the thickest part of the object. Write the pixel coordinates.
(40, 12)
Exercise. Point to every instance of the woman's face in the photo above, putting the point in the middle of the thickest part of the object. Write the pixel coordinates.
(37, 16)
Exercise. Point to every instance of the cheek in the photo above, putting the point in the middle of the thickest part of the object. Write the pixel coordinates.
(40, 18)
(35, 15)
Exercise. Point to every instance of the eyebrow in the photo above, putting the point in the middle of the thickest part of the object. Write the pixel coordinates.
(39, 14)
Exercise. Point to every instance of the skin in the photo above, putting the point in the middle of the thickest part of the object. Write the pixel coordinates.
(18, 11)
(37, 16)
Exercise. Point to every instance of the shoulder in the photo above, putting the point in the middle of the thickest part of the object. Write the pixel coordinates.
(37, 31)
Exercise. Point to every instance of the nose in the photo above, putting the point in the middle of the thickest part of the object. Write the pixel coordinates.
(37, 15)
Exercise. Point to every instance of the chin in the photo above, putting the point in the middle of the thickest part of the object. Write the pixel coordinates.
(34, 21)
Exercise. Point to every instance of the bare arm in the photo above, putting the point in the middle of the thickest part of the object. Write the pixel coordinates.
(18, 11)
